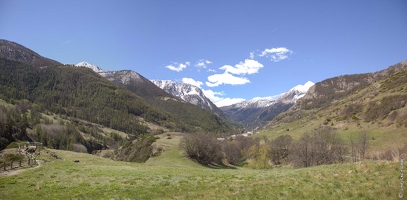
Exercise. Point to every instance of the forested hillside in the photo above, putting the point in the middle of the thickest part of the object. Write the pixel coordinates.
(196, 118)
(79, 93)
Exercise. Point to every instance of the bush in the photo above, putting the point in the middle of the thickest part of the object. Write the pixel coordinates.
(139, 150)
(232, 153)
(202, 148)
(259, 157)
(324, 146)
(279, 149)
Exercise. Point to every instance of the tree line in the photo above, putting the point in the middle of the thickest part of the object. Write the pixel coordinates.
(322, 146)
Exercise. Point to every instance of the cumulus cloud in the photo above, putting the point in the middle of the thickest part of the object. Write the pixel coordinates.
(213, 96)
(249, 66)
(218, 99)
(192, 82)
(177, 66)
(202, 63)
(225, 78)
(276, 54)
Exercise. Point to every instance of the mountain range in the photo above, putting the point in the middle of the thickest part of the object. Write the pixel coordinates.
(256, 113)
(252, 114)
(186, 111)
(124, 100)
(22, 69)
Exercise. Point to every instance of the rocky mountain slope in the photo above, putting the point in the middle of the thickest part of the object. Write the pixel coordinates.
(188, 93)
(371, 102)
(258, 112)
(16, 52)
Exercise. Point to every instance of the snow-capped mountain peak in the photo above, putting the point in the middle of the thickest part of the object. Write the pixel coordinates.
(187, 92)
(122, 76)
(259, 111)
(182, 90)
(303, 88)
(90, 66)
(296, 92)
(258, 102)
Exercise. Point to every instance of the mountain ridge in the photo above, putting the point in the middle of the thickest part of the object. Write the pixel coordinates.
(373, 103)
(140, 85)
(258, 112)
(17, 52)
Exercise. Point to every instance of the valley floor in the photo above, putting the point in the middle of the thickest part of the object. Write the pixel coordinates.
(170, 176)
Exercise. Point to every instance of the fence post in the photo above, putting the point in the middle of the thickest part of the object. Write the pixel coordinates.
(20, 162)
(11, 165)
(4, 165)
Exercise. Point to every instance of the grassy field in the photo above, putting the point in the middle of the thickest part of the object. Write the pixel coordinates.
(171, 176)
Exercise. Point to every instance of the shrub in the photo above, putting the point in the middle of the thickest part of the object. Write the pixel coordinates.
(259, 157)
(323, 146)
(202, 148)
(232, 153)
(138, 150)
(280, 148)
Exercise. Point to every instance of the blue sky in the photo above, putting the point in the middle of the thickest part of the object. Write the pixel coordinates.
(233, 50)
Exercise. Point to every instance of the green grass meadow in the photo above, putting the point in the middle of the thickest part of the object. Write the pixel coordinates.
(171, 176)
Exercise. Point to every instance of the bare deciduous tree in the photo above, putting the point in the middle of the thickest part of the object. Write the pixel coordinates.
(323, 146)
(358, 146)
(203, 148)
(279, 149)
(232, 153)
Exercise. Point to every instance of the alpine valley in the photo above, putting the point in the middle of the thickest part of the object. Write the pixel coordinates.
(78, 131)
(82, 107)
(256, 113)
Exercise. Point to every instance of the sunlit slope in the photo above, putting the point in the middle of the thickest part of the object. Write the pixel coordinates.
(379, 108)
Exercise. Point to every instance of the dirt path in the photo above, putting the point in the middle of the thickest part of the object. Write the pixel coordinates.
(17, 171)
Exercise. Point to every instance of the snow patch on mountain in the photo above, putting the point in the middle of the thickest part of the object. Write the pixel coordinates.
(123, 76)
(186, 92)
(90, 66)
(258, 102)
(301, 90)
(128, 75)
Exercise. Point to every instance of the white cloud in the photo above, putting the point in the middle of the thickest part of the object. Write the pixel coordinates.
(249, 66)
(177, 66)
(218, 100)
(251, 56)
(225, 78)
(192, 82)
(271, 98)
(229, 101)
(276, 54)
(202, 63)
(213, 96)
